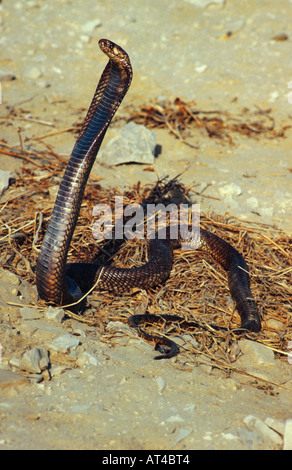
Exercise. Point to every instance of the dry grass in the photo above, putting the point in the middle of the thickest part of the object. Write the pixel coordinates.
(197, 288)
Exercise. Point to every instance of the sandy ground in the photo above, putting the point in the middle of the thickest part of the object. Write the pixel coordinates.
(222, 56)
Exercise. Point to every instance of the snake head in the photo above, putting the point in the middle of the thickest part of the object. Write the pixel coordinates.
(114, 52)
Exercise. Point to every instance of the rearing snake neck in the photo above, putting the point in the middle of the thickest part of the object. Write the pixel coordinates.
(62, 284)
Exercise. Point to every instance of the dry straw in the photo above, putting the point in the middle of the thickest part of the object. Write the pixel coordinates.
(197, 287)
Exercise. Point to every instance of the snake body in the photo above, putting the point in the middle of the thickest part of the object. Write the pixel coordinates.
(59, 283)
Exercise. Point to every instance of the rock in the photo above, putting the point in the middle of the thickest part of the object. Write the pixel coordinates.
(230, 190)
(252, 202)
(161, 383)
(200, 68)
(10, 278)
(5, 177)
(11, 379)
(118, 327)
(275, 324)
(228, 436)
(90, 26)
(55, 314)
(288, 435)
(32, 73)
(255, 353)
(87, 359)
(175, 419)
(30, 313)
(255, 424)
(64, 343)
(135, 144)
(181, 434)
(35, 360)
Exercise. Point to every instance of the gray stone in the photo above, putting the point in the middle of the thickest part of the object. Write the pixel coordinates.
(161, 383)
(255, 353)
(10, 278)
(32, 73)
(255, 424)
(90, 26)
(30, 313)
(55, 314)
(134, 144)
(87, 359)
(35, 360)
(64, 343)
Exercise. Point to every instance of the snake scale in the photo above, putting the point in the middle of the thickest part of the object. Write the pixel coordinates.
(59, 283)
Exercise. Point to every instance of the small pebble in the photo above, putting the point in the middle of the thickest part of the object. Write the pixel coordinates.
(252, 202)
(181, 434)
(56, 314)
(175, 419)
(87, 359)
(32, 73)
(90, 26)
(161, 383)
(230, 190)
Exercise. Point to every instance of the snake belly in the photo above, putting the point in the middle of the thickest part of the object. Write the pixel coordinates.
(59, 283)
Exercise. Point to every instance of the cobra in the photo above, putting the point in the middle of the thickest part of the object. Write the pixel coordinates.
(59, 283)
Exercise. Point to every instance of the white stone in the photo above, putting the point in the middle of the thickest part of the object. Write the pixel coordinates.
(32, 73)
(134, 144)
(257, 353)
(65, 343)
(252, 202)
(200, 68)
(230, 190)
(175, 419)
(87, 359)
(161, 383)
(255, 424)
(90, 26)
(55, 314)
(35, 360)
(30, 313)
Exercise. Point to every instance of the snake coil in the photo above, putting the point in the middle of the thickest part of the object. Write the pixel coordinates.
(59, 283)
